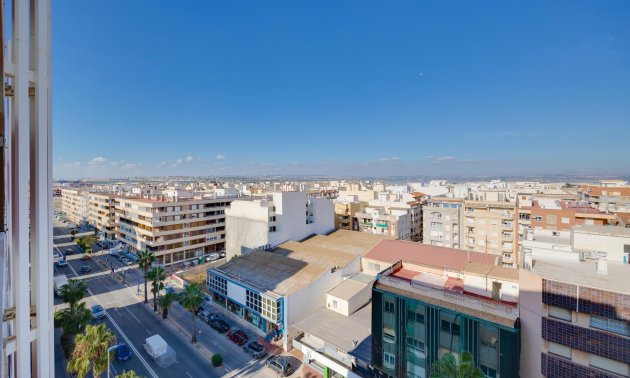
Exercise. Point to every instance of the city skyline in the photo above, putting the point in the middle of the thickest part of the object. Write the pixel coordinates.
(340, 89)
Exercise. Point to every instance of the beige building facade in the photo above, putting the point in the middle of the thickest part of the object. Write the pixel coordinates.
(74, 204)
(102, 214)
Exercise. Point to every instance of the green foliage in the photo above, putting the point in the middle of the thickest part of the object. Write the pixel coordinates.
(166, 301)
(86, 242)
(128, 374)
(90, 351)
(67, 342)
(73, 319)
(217, 360)
(191, 298)
(157, 278)
(447, 367)
(73, 292)
(145, 260)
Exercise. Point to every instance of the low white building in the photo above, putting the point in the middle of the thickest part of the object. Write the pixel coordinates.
(392, 219)
(277, 218)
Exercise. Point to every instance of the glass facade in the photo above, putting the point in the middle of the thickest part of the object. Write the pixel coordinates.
(409, 336)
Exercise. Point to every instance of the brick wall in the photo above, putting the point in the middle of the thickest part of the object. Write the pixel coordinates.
(558, 367)
(560, 294)
(604, 303)
(589, 340)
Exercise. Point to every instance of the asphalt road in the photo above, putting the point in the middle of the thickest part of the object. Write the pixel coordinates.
(134, 321)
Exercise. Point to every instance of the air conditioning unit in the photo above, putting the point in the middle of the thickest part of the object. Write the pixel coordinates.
(582, 255)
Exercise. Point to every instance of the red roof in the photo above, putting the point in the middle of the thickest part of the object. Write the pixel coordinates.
(392, 251)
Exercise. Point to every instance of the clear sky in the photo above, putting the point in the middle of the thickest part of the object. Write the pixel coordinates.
(340, 87)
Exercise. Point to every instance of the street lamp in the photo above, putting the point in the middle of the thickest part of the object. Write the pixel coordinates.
(109, 350)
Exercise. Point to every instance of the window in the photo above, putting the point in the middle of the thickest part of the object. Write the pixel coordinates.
(565, 220)
(415, 317)
(253, 301)
(335, 304)
(610, 325)
(272, 219)
(415, 344)
(589, 222)
(488, 372)
(217, 283)
(559, 350)
(609, 365)
(389, 360)
(559, 313)
(389, 306)
(538, 218)
(389, 336)
(551, 219)
(270, 309)
(272, 229)
(374, 267)
(449, 327)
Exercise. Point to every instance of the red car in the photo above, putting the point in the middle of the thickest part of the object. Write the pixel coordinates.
(238, 337)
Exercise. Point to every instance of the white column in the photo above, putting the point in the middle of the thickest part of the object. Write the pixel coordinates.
(19, 178)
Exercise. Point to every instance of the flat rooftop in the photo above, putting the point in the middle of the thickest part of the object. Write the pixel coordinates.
(295, 265)
(585, 273)
(341, 331)
(603, 230)
(351, 287)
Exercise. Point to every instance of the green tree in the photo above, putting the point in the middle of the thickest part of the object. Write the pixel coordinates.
(90, 351)
(73, 319)
(129, 374)
(157, 277)
(145, 260)
(447, 367)
(166, 301)
(191, 298)
(73, 292)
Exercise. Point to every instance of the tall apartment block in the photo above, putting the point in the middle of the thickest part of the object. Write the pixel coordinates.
(491, 227)
(575, 317)
(102, 213)
(438, 300)
(173, 229)
(75, 205)
(345, 214)
(26, 276)
(392, 219)
(276, 218)
(442, 221)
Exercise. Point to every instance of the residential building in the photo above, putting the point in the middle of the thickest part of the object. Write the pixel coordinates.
(278, 217)
(346, 209)
(74, 203)
(605, 197)
(437, 300)
(575, 316)
(563, 215)
(391, 219)
(442, 221)
(102, 214)
(27, 332)
(274, 289)
(491, 227)
(174, 229)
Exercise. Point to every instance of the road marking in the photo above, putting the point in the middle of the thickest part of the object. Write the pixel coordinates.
(149, 332)
(130, 313)
(188, 374)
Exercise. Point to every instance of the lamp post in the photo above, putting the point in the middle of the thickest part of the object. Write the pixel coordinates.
(109, 350)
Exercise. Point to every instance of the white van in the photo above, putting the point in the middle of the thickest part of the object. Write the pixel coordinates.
(155, 346)
(213, 257)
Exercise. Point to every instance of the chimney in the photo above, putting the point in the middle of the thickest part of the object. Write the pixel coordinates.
(602, 263)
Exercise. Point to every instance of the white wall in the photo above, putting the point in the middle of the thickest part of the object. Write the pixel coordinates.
(612, 245)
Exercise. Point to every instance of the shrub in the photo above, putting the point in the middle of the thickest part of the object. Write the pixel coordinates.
(217, 360)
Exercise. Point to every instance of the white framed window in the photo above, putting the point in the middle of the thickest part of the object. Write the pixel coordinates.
(335, 304)
(609, 365)
(559, 350)
(565, 220)
(389, 360)
(559, 313)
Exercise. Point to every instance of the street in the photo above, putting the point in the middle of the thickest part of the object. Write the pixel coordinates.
(133, 321)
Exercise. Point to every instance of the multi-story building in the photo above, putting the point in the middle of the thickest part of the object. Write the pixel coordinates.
(437, 300)
(392, 219)
(74, 203)
(442, 222)
(575, 316)
(606, 197)
(173, 229)
(563, 215)
(278, 217)
(346, 209)
(491, 227)
(102, 214)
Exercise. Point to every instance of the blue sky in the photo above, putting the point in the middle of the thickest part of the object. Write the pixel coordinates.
(340, 88)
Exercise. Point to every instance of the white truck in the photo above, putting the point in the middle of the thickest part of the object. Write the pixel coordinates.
(59, 282)
(155, 346)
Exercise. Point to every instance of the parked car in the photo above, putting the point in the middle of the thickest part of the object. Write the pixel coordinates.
(68, 251)
(169, 289)
(237, 336)
(62, 263)
(280, 364)
(222, 254)
(213, 257)
(219, 325)
(123, 353)
(204, 316)
(85, 269)
(85, 257)
(255, 349)
(98, 311)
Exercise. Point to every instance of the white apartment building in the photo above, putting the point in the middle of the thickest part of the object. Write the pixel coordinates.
(74, 203)
(102, 214)
(174, 230)
(278, 217)
(442, 220)
(392, 219)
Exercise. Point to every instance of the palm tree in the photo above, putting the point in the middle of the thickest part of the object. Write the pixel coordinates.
(73, 292)
(90, 351)
(145, 260)
(191, 299)
(447, 367)
(128, 374)
(157, 277)
(166, 301)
